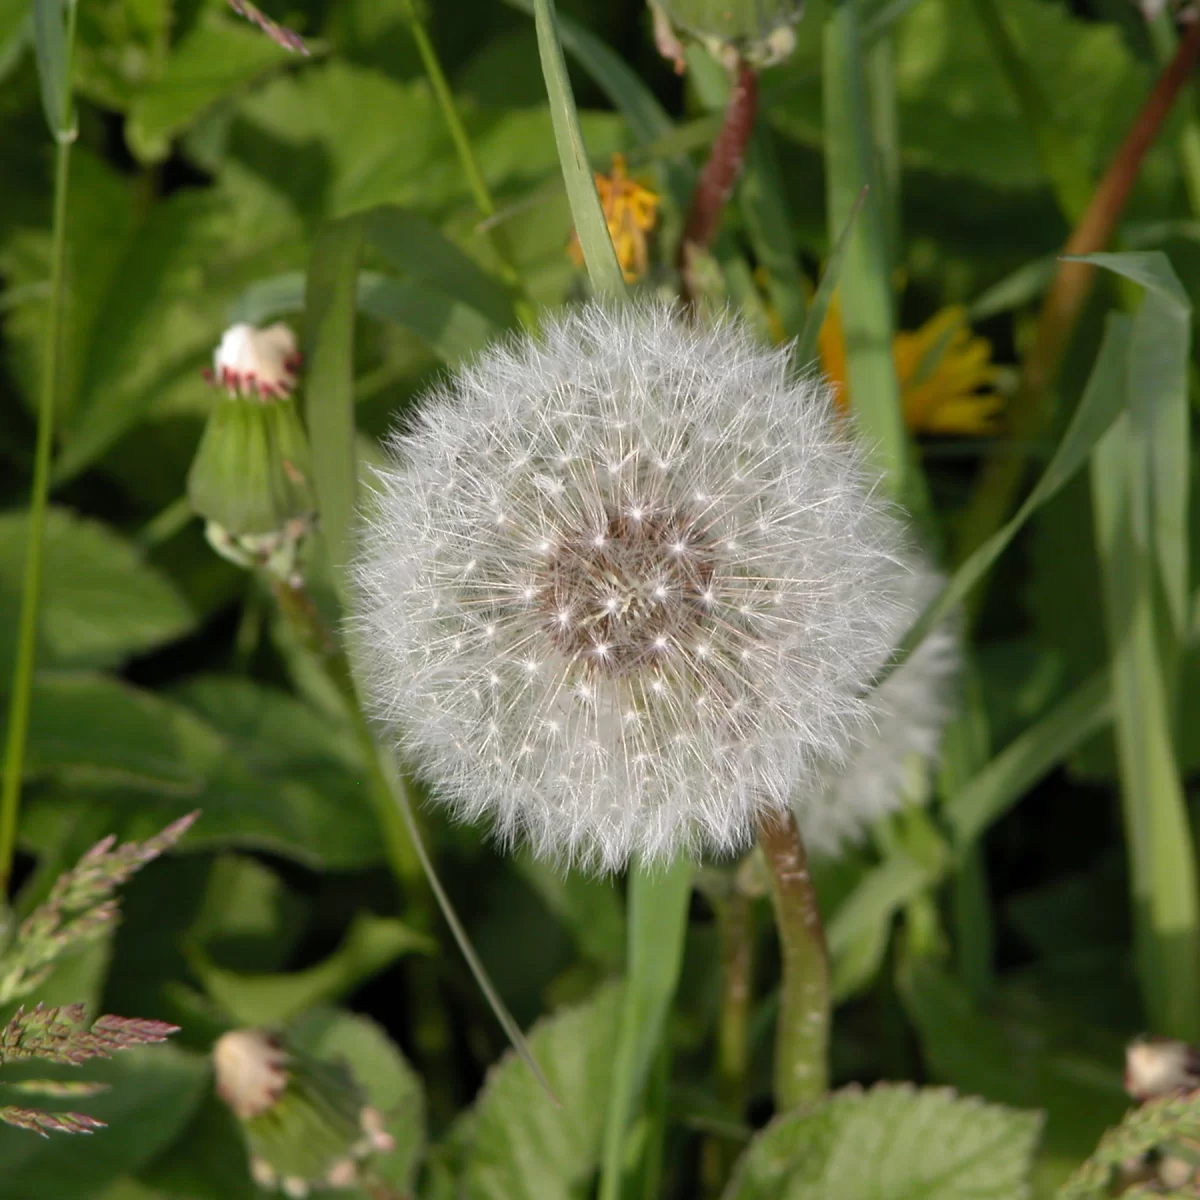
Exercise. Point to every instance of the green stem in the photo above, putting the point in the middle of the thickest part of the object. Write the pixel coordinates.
(467, 160)
(22, 684)
(802, 1034)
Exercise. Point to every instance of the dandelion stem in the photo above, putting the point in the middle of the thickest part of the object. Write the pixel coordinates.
(1030, 408)
(467, 160)
(720, 173)
(802, 1035)
(22, 679)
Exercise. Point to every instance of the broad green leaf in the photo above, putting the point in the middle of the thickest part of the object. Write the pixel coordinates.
(425, 255)
(452, 329)
(590, 909)
(16, 27)
(216, 58)
(371, 944)
(589, 219)
(265, 770)
(894, 1142)
(329, 387)
(207, 1161)
(101, 601)
(392, 1086)
(154, 1091)
(1018, 1051)
(1024, 761)
(515, 1144)
(657, 917)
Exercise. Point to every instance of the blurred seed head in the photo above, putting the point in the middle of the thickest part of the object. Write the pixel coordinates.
(1158, 1066)
(623, 586)
(900, 730)
(760, 32)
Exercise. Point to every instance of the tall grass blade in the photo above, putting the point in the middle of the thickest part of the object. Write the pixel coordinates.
(590, 225)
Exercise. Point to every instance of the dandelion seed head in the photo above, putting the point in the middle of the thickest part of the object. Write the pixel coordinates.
(900, 729)
(673, 627)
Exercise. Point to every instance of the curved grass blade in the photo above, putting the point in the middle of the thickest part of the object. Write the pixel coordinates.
(590, 225)
(806, 343)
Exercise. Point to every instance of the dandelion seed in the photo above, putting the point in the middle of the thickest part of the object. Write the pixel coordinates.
(759, 591)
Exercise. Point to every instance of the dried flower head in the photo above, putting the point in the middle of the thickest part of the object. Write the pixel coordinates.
(1156, 1066)
(306, 1120)
(901, 729)
(624, 584)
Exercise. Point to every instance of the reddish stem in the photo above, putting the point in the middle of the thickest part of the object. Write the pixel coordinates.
(720, 173)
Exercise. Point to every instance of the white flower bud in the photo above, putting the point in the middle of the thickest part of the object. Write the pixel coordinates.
(262, 362)
(624, 587)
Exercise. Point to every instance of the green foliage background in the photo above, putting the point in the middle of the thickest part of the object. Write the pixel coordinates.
(987, 945)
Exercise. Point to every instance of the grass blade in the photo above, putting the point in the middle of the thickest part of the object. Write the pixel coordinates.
(866, 284)
(1103, 399)
(329, 385)
(590, 225)
(806, 343)
(657, 921)
(1024, 761)
(52, 40)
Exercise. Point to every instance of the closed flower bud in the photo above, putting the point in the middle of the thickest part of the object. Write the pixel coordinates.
(250, 477)
(306, 1121)
(1158, 1066)
(624, 587)
(759, 32)
(900, 729)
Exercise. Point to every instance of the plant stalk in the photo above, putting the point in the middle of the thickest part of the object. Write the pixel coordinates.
(27, 628)
(720, 174)
(802, 1034)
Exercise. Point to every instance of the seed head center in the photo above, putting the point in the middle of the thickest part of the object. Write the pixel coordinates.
(620, 596)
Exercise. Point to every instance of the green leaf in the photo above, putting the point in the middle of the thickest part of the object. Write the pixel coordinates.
(101, 601)
(516, 1145)
(216, 58)
(266, 771)
(590, 224)
(417, 247)
(152, 1093)
(329, 387)
(894, 1142)
(810, 333)
(453, 330)
(207, 1161)
(981, 801)
(1017, 1050)
(392, 1086)
(1172, 1118)
(371, 944)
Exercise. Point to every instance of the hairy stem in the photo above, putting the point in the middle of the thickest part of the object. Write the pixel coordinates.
(802, 1034)
(720, 173)
(1029, 411)
(22, 680)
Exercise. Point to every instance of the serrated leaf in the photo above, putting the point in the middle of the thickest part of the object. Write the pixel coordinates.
(101, 601)
(516, 1145)
(215, 59)
(894, 1142)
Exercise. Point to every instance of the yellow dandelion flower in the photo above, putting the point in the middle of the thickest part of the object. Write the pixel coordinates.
(947, 379)
(631, 211)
